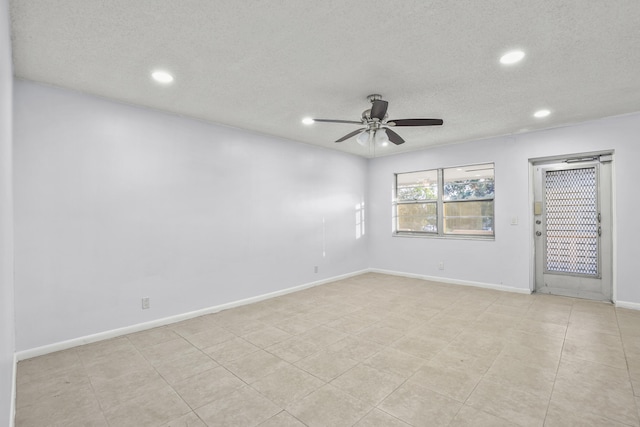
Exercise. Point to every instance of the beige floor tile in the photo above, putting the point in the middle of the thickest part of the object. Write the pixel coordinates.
(505, 310)
(329, 406)
(452, 383)
(548, 343)
(478, 343)
(511, 403)
(349, 324)
(631, 345)
(176, 370)
(593, 351)
(37, 368)
(368, 314)
(559, 415)
(444, 339)
(267, 337)
(244, 327)
(115, 391)
(191, 326)
(381, 334)
(419, 406)
(401, 321)
(152, 337)
(545, 322)
(274, 317)
(323, 336)
(75, 405)
(591, 373)
(99, 351)
(294, 349)
(471, 417)
(395, 362)
(422, 347)
(378, 418)
(355, 348)
(587, 387)
(188, 420)
(512, 372)
(535, 357)
(210, 337)
(296, 325)
(45, 386)
(168, 350)
(282, 419)
(243, 407)
(119, 364)
(635, 382)
(91, 420)
(596, 324)
(287, 385)
(456, 358)
(205, 387)
(368, 384)
(326, 365)
(153, 408)
(230, 350)
(254, 366)
(321, 315)
(490, 321)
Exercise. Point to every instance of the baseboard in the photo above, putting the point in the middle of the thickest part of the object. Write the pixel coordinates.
(101, 336)
(453, 281)
(12, 411)
(627, 304)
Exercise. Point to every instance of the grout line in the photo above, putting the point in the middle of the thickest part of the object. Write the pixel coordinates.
(546, 413)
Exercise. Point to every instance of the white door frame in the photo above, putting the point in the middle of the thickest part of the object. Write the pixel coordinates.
(531, 216)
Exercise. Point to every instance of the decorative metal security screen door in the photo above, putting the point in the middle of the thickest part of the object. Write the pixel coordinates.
(570, 209)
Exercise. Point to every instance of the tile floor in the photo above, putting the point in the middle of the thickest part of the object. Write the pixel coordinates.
(371, 350)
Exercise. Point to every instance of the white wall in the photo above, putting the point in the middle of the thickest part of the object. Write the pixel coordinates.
(505, 261)
(114, 203)
(7, 346)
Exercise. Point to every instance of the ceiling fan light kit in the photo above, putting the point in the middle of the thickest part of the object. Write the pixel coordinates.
(377, 124)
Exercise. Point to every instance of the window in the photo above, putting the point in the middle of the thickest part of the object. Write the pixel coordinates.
(446, 202)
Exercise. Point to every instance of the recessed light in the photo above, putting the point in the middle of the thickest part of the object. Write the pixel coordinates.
(162, 77)
(541, 113)
(308, 121)
(512, 57)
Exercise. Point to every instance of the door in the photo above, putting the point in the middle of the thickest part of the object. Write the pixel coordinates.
(572, 215)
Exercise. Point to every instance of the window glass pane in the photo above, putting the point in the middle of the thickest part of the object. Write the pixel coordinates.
(417, 186)
(469, 183)
(469, 218)
(417, 217)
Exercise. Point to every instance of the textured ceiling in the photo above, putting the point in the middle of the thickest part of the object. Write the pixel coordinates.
(264, 65)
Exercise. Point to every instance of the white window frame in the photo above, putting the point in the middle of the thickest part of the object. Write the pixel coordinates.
(440, 202)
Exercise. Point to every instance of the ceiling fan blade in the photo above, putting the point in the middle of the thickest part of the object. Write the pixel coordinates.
(336, 121)
(415, 122)
(394, 137)
(379, 109)
(349, 135)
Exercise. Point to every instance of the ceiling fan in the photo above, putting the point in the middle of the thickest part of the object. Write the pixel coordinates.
(377, 125)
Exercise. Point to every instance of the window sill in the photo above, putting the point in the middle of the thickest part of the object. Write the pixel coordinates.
(447, 237)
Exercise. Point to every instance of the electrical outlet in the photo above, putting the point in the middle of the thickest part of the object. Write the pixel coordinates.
(315, 269)
(441, 265)
(145, 303)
